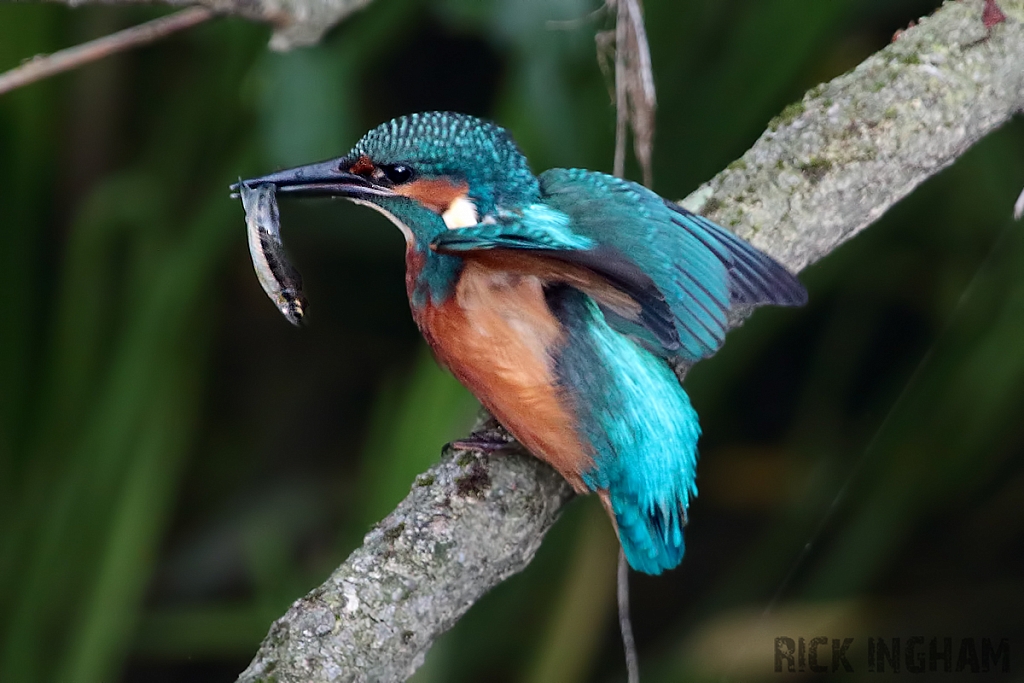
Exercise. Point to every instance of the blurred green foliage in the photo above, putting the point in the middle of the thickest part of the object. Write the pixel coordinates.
(177, 464)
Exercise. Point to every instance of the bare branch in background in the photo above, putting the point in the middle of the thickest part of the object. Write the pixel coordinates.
(640, 81)
(625, 622)
(825, 169)
(621, 92)
(44, 66)
(635, 100)
(296, 23)
(634, 103)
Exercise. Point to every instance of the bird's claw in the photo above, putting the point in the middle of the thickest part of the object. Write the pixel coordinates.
(482, 442)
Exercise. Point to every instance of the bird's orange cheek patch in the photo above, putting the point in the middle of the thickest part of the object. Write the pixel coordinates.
(437, 194)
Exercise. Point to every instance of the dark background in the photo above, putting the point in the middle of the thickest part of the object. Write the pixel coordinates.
(177, 463)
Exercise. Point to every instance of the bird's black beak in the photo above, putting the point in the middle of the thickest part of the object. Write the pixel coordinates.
(324, 179)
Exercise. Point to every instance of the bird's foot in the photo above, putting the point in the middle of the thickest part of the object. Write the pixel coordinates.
(488, 441)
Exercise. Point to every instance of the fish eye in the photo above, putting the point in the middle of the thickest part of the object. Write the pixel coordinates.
(397, 173)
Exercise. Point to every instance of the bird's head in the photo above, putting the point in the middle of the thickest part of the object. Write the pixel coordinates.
(420, 167)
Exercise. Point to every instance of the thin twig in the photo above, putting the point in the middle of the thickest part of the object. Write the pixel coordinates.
(605, 43)
(42, 67)
(574, 24)
(628, 110)
(642, 99)
(621, 89)
(635, 99)
(625, 623)
(643, 52)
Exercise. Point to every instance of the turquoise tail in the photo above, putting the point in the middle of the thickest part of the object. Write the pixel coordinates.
(650, 488)
(652, 539)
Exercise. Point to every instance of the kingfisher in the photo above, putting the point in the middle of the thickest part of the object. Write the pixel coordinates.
(562, 302)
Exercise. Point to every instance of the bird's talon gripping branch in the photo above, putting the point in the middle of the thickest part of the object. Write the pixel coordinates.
(481, 443)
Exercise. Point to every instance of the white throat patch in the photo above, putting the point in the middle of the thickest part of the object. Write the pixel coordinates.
(461, 213)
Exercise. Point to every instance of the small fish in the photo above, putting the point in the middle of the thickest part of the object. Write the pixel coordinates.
(1018, 208)
(278, 277)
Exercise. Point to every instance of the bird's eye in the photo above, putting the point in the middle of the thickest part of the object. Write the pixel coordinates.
(397, 173)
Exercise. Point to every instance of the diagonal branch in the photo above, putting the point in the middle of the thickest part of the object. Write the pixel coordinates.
(832, 164)
(824, 170)
(41, 67)
(296, 23)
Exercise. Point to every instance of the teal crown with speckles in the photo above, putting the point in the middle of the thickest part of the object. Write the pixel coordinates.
(459, 146)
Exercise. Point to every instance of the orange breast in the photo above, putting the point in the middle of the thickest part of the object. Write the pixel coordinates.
(494, 334)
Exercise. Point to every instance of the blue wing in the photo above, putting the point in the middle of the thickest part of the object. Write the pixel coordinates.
(700, 268)
(544, 235)
(684, 272)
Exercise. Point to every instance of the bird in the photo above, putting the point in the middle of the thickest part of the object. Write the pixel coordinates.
(562, 301)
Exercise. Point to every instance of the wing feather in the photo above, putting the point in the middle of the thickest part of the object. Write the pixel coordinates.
(701, 269)
(683, 272)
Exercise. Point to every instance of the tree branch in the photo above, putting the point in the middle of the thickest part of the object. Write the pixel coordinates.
(831, 165)
(296, 22)
(824, 170)
(467, 525)
(41, 67)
